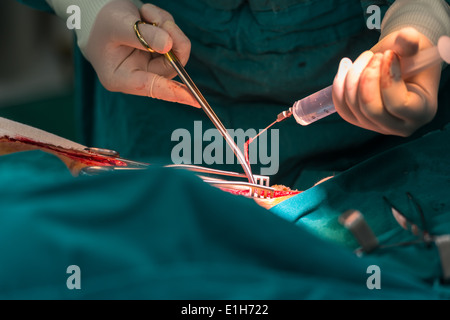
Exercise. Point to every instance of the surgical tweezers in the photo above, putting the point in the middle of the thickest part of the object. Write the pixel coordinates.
(184, 76)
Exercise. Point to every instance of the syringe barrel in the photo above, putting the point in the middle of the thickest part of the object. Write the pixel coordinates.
(314, 107)
(320, 104)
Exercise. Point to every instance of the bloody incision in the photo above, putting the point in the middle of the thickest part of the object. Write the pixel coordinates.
(280, 191)
(277, 193)
(79, 156)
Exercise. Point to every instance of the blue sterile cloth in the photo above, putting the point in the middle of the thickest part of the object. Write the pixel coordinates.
(420, 168)
(165, 234)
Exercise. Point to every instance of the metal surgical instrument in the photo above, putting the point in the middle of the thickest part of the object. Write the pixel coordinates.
(184, 76)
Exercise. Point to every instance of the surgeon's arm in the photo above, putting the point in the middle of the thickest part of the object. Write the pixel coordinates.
(370, 92)
(108, 41)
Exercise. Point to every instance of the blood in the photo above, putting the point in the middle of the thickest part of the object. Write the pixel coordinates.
(277, 193)
(246, 144)
(87, 158)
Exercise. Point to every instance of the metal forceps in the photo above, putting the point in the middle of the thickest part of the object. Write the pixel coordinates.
(184, 76)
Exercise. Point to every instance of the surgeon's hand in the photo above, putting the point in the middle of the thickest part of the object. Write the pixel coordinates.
(121, 62)
(371, 94)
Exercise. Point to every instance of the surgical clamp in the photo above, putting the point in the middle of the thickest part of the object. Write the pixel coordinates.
(184, 76)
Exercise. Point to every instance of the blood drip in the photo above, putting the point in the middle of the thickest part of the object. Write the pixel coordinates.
(250, 140)
(246, 145)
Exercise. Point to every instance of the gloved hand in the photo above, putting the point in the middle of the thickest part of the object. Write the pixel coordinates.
(120, 60)
(371, 94)
(107, 39)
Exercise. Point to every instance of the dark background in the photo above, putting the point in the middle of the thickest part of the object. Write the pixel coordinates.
(36, 69)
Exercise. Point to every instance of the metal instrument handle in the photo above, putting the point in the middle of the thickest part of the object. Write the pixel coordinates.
(184, 76)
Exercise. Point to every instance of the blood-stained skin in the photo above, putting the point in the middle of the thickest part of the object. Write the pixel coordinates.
(390, 69)
(21, 144)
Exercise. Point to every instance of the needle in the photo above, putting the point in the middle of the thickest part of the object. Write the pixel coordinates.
(250, 140)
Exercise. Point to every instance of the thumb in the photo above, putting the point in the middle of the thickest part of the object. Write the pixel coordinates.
(398, 100)
(157, 38)
(406, 43)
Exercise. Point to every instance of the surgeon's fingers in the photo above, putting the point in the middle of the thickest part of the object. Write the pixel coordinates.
(181, 48)
(157, 38)
(119, 19)
(371, 102)
(181, 43)
(165, 21)
(408, 102)
(155, 86)
(338, 91)
(154, 14)
(132, 77)
(169, 90)
(352, 82)
(347, 92)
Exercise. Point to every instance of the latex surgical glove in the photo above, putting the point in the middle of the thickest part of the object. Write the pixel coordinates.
(370, 93)
(108, 41)
(120, 60)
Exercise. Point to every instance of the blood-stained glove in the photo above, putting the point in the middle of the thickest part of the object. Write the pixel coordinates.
(370, 93)
(108, 41)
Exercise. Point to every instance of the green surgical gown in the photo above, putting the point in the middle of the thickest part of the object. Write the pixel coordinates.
(251, 60)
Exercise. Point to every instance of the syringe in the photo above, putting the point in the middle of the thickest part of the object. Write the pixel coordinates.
(320, 104)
